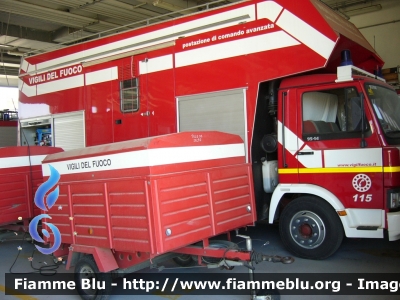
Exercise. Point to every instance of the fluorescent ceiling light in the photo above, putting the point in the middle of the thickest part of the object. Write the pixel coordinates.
(4, 64)
(16, 53)
(171, 7)
(8, 76)
(5, 46)
(349, 11)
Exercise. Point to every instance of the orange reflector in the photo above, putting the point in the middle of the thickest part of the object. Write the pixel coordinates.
(342, 213)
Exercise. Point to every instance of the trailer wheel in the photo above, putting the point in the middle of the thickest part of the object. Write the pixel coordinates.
(310, 228)
(86, 268)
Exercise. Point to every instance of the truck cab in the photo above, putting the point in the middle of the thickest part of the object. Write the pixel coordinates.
(338, 161)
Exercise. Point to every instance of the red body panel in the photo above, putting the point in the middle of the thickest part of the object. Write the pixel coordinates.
(391, 159)
(20, 176)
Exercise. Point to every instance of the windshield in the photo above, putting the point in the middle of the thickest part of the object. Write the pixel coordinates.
(386, 105)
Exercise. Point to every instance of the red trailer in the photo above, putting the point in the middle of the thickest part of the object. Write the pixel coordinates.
(129, 204)
(20, 176)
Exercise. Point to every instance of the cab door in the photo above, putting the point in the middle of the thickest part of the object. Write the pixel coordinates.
(288, 145)
(130, 106)
(341, 151)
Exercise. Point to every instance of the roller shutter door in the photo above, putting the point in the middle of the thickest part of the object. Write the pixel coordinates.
(222, 111)
(8, 136)
(69, 131)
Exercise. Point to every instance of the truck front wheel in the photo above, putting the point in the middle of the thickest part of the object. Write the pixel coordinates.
(310, 228)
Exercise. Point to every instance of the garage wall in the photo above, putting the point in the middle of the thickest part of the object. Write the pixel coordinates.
(8, 134)
(382, 29)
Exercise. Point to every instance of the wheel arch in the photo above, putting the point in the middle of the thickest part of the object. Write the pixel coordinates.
(302, 189)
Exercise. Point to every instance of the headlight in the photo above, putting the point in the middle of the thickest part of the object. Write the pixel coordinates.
(394, 200)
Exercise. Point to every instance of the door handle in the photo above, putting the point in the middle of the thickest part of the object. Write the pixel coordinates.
(306, 153)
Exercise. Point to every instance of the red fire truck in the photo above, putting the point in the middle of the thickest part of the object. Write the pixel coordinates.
(321, 132)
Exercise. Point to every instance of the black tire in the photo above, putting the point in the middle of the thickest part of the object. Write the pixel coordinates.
(310, 228)
(87, 268)
(184, 260)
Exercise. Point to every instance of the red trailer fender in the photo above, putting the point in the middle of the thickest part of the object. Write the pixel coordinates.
(103, 257)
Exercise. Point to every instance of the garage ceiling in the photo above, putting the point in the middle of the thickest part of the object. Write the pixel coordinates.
(30, 26)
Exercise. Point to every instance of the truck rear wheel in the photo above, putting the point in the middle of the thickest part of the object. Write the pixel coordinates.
(310, 228)
(86, 268)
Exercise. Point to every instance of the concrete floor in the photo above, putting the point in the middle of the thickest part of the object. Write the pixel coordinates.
(355, 256)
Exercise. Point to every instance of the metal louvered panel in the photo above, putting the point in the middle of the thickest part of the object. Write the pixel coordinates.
(69, 131)
(222, 111)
